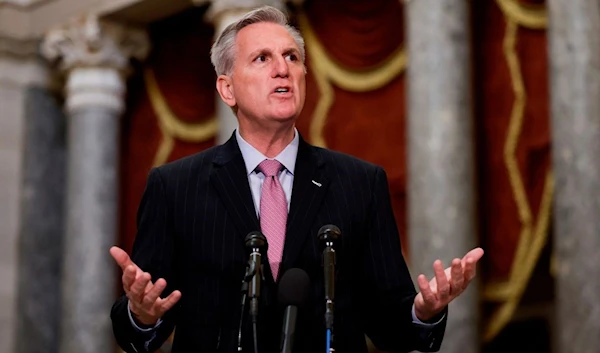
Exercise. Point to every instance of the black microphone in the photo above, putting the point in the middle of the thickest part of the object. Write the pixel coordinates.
(256, 242)
(292, 292)
(328, 234)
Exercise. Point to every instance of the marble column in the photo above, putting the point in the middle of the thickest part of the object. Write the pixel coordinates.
(20, 70)
(94, 56)
(42, 223)
(441, 169)
(222, 13)
(575, 114)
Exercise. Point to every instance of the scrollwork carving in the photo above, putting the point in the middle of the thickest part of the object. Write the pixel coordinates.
(89, 42)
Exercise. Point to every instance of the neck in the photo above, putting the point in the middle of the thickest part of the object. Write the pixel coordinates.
(269, 142)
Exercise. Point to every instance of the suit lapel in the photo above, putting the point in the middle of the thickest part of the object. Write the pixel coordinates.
(310, 187)
(230, 179)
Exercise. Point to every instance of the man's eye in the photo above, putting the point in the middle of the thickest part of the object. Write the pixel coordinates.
(261, 58)
(292, 57)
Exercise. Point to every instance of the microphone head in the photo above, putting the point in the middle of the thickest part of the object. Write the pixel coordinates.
(329, 232)
(293, 287)
(256, 239)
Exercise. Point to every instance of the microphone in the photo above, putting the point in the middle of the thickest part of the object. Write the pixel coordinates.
(328, 234)
(256, 242)
(292, 292)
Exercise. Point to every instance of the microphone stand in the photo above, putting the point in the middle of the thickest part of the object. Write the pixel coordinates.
(254, 293)
(256, 242)
(327, 235)
(250, 272)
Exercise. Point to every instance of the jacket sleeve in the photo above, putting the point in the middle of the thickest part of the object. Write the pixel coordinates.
(389, 291)
(153, 253)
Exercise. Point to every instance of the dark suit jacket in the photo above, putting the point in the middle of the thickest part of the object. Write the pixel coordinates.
(193, 217)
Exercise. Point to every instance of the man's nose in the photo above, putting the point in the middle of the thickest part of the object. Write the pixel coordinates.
(280, 67)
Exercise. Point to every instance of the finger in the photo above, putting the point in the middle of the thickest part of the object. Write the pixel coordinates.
(475, 255)
(456, 278)
(121, 257)
(470, 270)
(136, 291)
(128, 278)
(426, 292)
(154, 292)
(168, 302)
(148, 287)
(443, 286)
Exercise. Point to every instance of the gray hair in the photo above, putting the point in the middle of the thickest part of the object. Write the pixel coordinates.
(222, 54)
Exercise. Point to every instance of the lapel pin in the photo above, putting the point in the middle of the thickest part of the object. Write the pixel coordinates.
(317, 184)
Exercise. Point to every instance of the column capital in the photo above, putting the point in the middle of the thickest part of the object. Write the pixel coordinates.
(89, 42)
(96, 55)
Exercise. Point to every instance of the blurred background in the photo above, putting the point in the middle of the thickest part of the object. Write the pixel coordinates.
(484, 113)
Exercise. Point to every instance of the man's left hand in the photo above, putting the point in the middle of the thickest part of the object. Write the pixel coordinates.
(447, 284)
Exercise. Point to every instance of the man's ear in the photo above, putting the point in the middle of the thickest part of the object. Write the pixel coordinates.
(225, 89)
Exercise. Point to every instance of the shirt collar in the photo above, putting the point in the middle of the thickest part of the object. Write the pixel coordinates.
(252, 157)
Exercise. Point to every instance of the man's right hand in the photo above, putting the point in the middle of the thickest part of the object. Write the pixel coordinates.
(145, 302)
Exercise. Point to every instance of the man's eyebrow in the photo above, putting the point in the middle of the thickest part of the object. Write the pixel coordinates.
(267, 51)
(291, 50)
(263, 51)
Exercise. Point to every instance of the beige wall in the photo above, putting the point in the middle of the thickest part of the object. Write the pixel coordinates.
(11, 98)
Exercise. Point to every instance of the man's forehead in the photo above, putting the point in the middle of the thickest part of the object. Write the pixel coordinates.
(265, 35)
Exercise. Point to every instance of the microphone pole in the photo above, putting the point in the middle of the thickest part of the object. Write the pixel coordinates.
(250, 271)
(327, 235)
(256, 242)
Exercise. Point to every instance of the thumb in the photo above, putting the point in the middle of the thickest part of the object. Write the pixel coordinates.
(121, 258)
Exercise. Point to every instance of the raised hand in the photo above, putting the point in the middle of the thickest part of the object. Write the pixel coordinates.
(145, 302)
(446, 285)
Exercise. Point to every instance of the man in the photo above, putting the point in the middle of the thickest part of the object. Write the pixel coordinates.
(189, 256)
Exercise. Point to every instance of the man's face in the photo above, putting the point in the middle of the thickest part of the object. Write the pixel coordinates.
(268, 81)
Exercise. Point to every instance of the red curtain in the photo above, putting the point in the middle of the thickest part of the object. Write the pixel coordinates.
(186, 79)
(369, 125)
(495, 100)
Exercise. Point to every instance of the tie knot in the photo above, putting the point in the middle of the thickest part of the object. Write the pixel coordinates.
(270, 167)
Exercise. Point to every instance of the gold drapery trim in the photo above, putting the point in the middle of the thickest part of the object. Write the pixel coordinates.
(317, 124)
(512, 140)
(327, 72)
(532, 237)
(351, 79)
(528, 16)
(170, 125)
(512, 291)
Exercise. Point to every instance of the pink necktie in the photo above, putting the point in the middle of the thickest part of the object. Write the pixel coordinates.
(273, 212)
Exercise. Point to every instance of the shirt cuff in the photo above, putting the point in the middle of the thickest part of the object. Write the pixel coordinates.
(146, 329)
(419, 322)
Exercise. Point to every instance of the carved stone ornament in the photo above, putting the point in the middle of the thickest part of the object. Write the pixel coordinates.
(89, 42)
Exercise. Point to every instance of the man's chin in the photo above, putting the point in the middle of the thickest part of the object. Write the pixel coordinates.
(286, 116)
